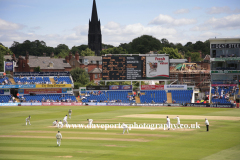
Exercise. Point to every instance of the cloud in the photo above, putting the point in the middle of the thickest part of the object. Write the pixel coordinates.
(224, 9)
(168, 20)
(4, 25)
(126, 33)
(181, 11)
(197, 8)
(228, 22)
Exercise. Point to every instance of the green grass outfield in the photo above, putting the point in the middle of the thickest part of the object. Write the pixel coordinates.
(37, 141)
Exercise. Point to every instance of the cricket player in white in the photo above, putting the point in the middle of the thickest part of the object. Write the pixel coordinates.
(55, 123)
(168, 123)
(59, 138)
(207, 124)
(178, 120)
(28, 120)
(65, 120)
(90, 122)
(60, 124)
(69, 113)
(125, 127)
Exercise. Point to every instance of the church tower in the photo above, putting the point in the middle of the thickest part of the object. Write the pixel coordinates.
(94, 32)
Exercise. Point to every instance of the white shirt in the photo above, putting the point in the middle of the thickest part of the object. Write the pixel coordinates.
(90, 120)
(124, 125)
(178, 119)
(206, 122)
(65, 118)
(59, 136)
(60, 122)
(168, 120)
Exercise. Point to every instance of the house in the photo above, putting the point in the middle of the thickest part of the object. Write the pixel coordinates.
(91, 64)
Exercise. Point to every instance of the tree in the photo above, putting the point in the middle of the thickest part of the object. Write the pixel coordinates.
(107, 46)
(145, 44)
(79, 49)
(61, 48)
(87, 52)
(37, 69)
(114, 50)
(195, 56)
(80, 77)
(173, 53)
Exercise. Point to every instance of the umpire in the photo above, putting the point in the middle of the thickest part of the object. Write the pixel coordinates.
(207, 124)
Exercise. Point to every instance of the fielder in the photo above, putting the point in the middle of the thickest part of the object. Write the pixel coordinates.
(28, 120)
(125, 127)
(65, 120)
(55, 123)
(59, 138)
(207, 124)
(60, 124)
(69, 113)
(178, 121)
(90, 122)
(168, 123)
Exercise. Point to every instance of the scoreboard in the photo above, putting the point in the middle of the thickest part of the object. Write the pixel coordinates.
(133, 67)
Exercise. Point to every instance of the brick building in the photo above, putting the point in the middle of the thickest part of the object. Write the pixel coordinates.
(46, 64)
(91, 64)
(196, 74)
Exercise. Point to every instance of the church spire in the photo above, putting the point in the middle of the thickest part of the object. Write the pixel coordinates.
(94, 12)
(94, 32)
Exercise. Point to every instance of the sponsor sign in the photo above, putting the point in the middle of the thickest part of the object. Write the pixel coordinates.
(225, 71)
(228, 45)
(147, 104)
(9, 104)
(157, 67)
(41, 73)
(210, 105)
(60, 104)
(215, 85)
(1, 91)
(120, 87)
(41, 91)
(19, 86)
(152, 87)
(118, 104)
(172, 87)
(226, 59)
(26, 104)
(53, 85)
(97, 88)
(8, 66)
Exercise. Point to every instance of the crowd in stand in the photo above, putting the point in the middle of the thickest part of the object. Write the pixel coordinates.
(5, 81)
(32, 80)
(224, 95)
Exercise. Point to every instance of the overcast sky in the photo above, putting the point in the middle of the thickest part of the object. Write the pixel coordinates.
(66, 21)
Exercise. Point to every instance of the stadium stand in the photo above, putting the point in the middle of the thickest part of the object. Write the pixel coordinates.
(63, 80)
(181, 96)
(48, 98)
(5, 81)
(221, 94)
(32, 80)
(120, 96)
(94, 96)
(5, 98)
(108, 96)
(157, 96)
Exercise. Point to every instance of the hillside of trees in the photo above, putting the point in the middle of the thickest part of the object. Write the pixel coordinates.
(139, 45)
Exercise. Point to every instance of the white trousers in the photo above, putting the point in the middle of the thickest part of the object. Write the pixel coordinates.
(124, 129)
(58, 141)
(168, 125)
(60, 125)
(65, 122)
